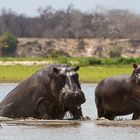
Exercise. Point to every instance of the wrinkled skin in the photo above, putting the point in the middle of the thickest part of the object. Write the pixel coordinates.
(119, 95)
(47, 94)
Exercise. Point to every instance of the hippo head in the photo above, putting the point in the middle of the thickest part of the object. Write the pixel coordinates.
(135, 77)
(66, 87)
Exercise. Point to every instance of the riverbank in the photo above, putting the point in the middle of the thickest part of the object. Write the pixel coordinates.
(61, 123)
(88, 74)
(35, 47)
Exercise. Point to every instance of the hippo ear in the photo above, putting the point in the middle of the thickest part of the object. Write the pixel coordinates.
(135, 66)
(56, 70)
(76, 68)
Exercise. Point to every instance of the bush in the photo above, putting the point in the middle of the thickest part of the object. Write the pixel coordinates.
(89, 61)
(120, 61)
(94, 61)
(115, 51)
(83, 61)
(126, 61)
(107, 61)
(63, 60)
(7, 44)
(86, 61)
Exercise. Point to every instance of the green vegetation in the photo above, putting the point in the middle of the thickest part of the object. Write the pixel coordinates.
(92, 69)
(116, 50)
(8, 44)
(87, 74)
(82, 61)
(16, 73)
(96, 73)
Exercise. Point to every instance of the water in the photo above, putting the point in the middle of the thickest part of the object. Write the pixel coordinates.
(86, 130)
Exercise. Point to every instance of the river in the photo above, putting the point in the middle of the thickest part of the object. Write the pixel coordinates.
(87, 130)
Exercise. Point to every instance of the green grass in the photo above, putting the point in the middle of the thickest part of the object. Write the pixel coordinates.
(87, 74)
(96, 73)
(16, 73)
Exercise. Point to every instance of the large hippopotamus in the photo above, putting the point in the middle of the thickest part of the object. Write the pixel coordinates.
(119, 95)
(47, 94)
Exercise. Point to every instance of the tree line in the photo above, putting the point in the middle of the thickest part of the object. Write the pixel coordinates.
(72, 23)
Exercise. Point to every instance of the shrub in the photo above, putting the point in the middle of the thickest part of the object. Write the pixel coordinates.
(126, 61)
(86, 61)
(89, 61)
(115, 50)
(109, 61)
(83, 61)
(94, 61)
(63, 60)
(57, 53)
(8, 44)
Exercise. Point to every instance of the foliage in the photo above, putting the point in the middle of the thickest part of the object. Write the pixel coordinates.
(8, 44)
(120, 61)
(115, 50)
(82, 61)
(87, 61)
(63, 60)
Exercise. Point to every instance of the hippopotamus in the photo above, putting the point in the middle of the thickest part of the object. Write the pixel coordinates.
(47, 94)
(119, 95)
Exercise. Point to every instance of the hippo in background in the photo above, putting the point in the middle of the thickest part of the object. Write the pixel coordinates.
(119, 95)
(47, 94)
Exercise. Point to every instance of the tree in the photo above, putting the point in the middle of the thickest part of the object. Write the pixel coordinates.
(7, 44)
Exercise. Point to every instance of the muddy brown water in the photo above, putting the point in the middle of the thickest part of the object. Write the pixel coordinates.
(85, 130)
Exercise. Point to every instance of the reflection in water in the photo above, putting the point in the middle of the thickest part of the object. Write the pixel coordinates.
(85, 130)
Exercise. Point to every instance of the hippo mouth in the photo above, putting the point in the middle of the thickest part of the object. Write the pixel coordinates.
(72, 99)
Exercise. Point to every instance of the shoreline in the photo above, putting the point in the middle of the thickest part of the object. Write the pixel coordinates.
(103, 122)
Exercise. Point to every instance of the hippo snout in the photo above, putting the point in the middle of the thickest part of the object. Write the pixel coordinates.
(80, 97)
(73, 98)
